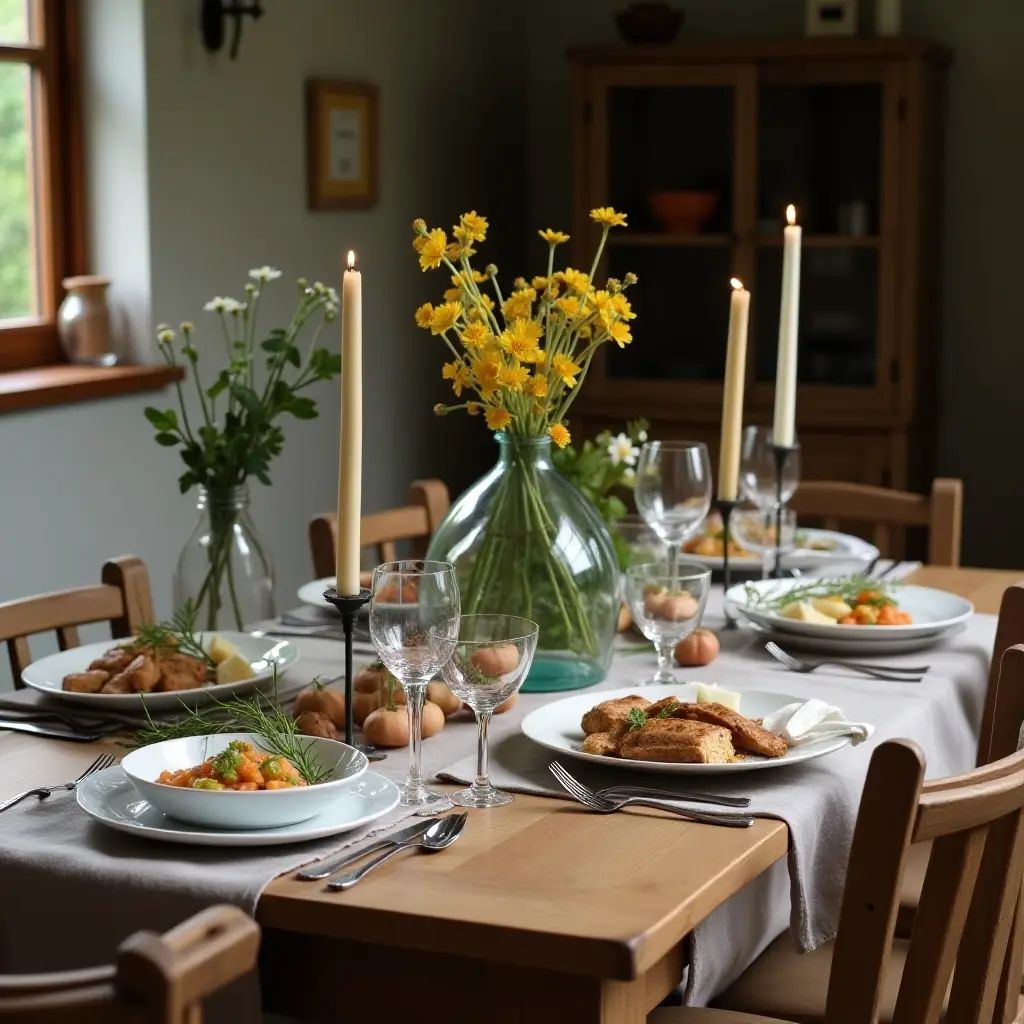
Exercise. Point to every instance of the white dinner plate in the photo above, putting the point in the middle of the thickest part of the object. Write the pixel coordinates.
(934, 612)
(557, 727)
(262, 652)
(312, 593)
(110, 798)
(851, 646)
(845, 549)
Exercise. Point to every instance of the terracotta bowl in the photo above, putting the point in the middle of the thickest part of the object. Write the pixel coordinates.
(683, 213)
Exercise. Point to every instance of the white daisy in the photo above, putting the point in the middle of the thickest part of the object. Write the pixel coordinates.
(233, 306)
(332, 297)
(215, 305)
(622, 450)
(264, 274)
(165, 337)
(642, 436)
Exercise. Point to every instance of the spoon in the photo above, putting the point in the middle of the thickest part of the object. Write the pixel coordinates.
(437, 837)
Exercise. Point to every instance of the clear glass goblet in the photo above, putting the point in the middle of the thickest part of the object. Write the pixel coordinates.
(639, 542)
(414, 624)
(759, 470)
(673, 490)
(667, 602)
(491, 660)
(755, 530)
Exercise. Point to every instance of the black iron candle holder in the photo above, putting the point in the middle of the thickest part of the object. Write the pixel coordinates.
(348, 606)
(725, 508)
(782, 456)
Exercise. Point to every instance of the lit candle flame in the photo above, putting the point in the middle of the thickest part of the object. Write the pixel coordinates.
(352, 255)
(736, 283)
(791, 214)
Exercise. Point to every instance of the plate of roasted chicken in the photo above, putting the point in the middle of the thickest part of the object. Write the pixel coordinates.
(161, 668)
(680, 729)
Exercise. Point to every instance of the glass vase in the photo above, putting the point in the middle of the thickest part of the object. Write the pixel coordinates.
(224, 567)
(526, 542)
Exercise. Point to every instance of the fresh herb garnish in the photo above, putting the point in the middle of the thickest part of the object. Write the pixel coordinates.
(637, 718)
(177, 634)
(668, 710)
(849, 588)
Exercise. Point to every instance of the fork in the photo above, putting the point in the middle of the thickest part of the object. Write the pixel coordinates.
(101, 762)
(614, 792)
(892, 673)
(603, 805)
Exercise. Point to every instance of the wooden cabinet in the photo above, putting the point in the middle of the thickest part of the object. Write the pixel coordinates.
(704, 146)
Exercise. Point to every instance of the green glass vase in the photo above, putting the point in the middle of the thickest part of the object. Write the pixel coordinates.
(526, 542)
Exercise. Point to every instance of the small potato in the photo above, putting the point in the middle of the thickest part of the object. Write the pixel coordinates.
(625, 618)
(315, 723)
(364, 704)
(433, 719)
(439, 694)
(654, 601)
(145, 674)
(85, 682)
(370, 679)
(112, 662)
(385, 728)
(121, 683)
(497, 660)
(678, 608)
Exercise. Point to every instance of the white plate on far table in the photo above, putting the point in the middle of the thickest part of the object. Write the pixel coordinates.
(934, 612)
(312, 593)
(111, 799)
(557, 727)
(851, 646)
(842, 549)
(262, 652)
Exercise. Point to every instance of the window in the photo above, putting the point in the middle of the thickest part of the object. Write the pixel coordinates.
(41, 222)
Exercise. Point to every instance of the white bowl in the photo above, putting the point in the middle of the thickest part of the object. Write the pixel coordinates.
(242, 810)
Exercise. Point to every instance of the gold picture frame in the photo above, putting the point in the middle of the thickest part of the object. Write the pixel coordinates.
(342, 140)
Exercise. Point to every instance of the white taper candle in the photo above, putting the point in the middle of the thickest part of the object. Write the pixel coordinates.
(732, 393)
(350, 459)
(784, 425)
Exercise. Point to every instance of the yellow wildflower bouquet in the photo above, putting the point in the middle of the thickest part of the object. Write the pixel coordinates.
(519, 359)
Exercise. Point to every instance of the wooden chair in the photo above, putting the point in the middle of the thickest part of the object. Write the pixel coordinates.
(123, 599)
(156, 979)
(833, 503)
(417, 521)
(966, 927)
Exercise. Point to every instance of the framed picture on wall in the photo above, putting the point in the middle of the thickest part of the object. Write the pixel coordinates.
(342, 144)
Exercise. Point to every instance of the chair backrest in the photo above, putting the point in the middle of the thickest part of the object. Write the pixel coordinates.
(966, 927)
(834, 503)
(123, 599)
(417, 521)
(157, 979)
(999, 732)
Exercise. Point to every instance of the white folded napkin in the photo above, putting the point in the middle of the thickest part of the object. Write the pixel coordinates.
(810, 720)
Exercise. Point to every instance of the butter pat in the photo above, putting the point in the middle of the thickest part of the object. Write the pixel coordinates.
(834, 607)
(714, 694)
(804, 611)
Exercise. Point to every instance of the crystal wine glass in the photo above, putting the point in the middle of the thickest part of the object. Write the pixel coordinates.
(414, 624)
(673, 490)
(667, 602)
(759, 470)
(755, 529)
(491, 660)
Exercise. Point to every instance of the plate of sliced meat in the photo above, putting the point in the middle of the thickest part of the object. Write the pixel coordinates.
(164, 673)
(675, 729)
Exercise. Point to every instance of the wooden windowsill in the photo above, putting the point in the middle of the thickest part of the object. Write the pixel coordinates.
(63, 383)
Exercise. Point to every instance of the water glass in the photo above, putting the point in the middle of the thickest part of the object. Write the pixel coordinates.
(755, 529)
(759, 470)
(414, 625)
(639, 543)
(490, 662)
(667, 602)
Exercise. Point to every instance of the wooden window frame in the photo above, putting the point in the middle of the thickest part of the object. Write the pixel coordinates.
(59, 229)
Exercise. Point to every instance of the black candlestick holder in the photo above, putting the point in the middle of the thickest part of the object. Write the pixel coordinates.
(782, 456)
(725, 508)
(348, 606)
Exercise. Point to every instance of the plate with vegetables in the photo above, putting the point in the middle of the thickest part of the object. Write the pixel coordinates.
(165, 664)
(854, 608)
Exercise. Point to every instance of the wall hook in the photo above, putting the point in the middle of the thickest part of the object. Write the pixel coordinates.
(212, 16)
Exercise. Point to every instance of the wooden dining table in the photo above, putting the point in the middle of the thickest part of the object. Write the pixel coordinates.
(542, 912)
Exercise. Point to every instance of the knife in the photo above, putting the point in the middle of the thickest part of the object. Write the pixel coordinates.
(321, 870)
(17, 725)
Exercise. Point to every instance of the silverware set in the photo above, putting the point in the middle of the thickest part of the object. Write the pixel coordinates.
(890, 673)
(101, 762)
(427, 836)
(887, 572)
(615, 799)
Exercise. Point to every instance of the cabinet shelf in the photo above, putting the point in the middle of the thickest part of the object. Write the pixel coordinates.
(644, 238)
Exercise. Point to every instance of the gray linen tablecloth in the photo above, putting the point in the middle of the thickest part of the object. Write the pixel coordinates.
(57, 866)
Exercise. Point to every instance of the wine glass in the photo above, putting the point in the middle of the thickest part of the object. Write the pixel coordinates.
(491, 660)
(639, 542)
(759, 470)
(673, 490)
(414, 623)
(667, 602)
(755, 530)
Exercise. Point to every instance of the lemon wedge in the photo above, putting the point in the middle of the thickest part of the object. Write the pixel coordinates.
(221, 650)
(234, 669)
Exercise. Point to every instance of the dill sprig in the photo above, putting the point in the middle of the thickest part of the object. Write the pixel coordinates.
(638, 717)
(849, 588)
(176, 634)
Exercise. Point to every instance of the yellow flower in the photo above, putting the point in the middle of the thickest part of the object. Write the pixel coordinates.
(449, 370)
(546, 285)
(459, 374)
(574, 279)
(520, 340)
(518, 304)
(621, 306)
(457, 250)
(444, 317)
(553, 237)
(475, 225)
(474, 408)
(475, 335)
(537, 387)
(419, 225)
(476, 313)
(513, 377)
(485, 371)
(452, 294)
(424, 315)
(601, 303)
(620, 333)
(565, 369)
(606, 215)
(542, 357)
(432, 250)
(419, 242)
(497, 419)
(586, 332)
(559, 434)
(569, 306)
